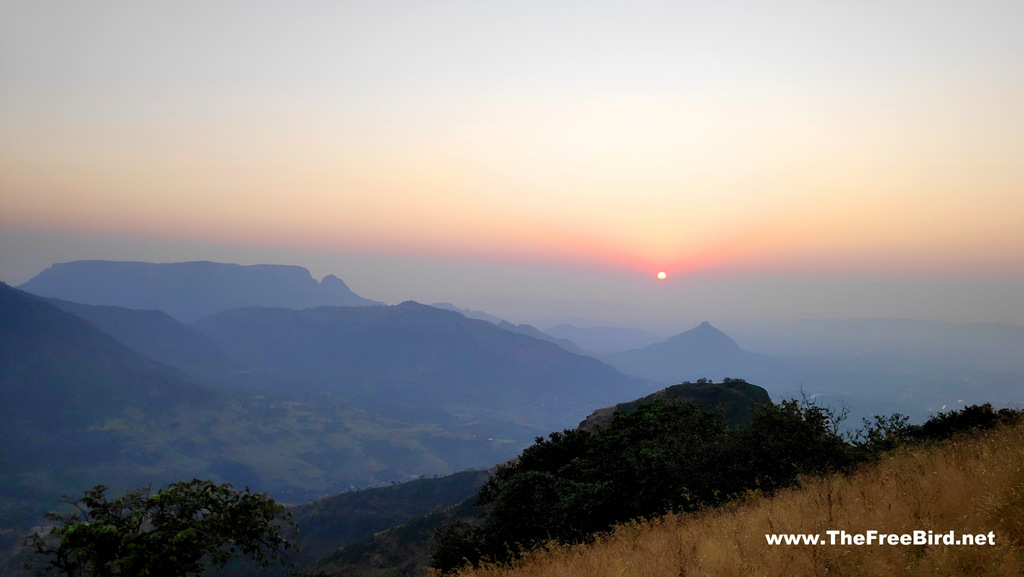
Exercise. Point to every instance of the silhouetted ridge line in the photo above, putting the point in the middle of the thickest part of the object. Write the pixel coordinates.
(189, 291)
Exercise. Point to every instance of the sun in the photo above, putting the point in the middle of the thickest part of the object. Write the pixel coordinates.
(662, 275)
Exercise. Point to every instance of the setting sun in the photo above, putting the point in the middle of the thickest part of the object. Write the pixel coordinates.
(662, 276)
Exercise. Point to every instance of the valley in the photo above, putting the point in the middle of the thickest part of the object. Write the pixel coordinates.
(362, 416)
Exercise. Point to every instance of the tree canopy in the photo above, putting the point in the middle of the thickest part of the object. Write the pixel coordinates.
(175, 532)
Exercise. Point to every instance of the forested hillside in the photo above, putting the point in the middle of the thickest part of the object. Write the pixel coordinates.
(970, 485)
(672, 458)
(408, 548)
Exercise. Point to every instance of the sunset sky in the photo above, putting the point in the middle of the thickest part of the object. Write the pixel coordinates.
(777, 160)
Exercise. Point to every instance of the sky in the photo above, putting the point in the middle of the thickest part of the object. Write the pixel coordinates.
(539, 160)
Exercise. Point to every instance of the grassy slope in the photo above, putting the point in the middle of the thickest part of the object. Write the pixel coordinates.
(971, 485)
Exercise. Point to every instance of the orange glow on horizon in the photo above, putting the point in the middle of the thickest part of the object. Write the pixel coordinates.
(759, 252)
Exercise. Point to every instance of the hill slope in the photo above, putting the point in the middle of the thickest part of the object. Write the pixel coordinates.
(417, 357)
(407, 548)
(58, 368)
(67, 391)
(190, 290)
(734, 397)
(155, 334)
(603, 340)
(338, 521)
(77, 408)
(968, 486)
(701, 352)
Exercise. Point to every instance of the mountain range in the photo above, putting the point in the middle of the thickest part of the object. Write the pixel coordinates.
(603, 340)
(703, 351)
(417, 357)
(189, 291)
(873, 366)
(137, 373)
(68, 394)
(525, 329)
(155, 334)
(301, 403)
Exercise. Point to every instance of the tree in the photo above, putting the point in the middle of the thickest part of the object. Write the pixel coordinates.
(782, 442)
(661, 457)
(175, 532)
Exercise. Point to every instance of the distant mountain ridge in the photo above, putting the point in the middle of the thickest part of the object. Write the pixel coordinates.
(421, 356)
(701, 352)
(522, 329)
(155, 334)
(79, 407)
(469, 313)
(603, 340)
(68, 392)
(532, 331)
(189, 291)
(64, 367)
(876, 366)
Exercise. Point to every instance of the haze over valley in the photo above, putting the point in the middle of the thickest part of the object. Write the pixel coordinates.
(447, 276)
(309, 401)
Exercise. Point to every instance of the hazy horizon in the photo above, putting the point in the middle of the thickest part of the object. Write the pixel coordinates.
(545, 297)
(537, 161)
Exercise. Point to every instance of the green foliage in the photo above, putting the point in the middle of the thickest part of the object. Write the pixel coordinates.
(661, 457)
(665, 457)
(887, 432)
(177, 531)
(456, 544)
(783, 441)
(735, 397)
(972, 417)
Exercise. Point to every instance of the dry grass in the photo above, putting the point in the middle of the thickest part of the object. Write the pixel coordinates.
(971, 485)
